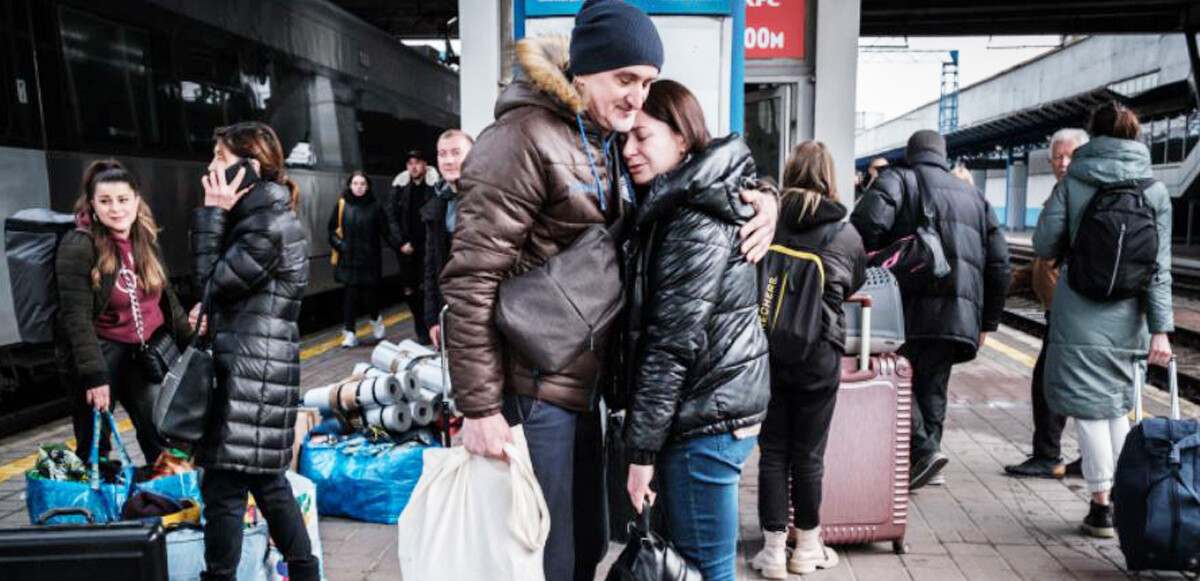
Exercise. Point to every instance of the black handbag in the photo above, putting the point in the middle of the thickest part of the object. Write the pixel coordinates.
(649, 557)
(915, 258)
(181, 408)
(553, 313)
(159, 354)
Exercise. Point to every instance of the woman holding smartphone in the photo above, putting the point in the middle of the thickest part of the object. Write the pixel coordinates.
(251, 260)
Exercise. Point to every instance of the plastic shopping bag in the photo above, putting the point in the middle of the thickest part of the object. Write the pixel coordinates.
(360, 479)
(472, 517)
(102, 499)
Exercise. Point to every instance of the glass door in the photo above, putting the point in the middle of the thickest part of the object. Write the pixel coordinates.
(768, 123)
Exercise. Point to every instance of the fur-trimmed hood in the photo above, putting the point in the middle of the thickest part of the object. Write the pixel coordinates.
(544, 81)
(402, 179)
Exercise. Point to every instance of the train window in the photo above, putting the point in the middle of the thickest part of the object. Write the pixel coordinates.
(1175, 138)
(108, 68)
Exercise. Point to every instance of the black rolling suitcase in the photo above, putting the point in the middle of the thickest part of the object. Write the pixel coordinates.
(123, 551)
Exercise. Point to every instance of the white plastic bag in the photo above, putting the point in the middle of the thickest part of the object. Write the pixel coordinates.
(472, 517)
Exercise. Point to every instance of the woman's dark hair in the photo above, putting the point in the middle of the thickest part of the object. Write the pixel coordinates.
(673, 104)
(349, 180)
(254, 140)
(1113, 119)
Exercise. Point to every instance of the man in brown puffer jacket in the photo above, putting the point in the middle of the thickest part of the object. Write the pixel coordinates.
(547, 169)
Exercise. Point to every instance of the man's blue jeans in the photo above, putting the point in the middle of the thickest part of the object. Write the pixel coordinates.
(550, 434)
(698, 488)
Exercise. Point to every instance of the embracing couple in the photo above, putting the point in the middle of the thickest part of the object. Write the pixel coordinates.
(587, 137)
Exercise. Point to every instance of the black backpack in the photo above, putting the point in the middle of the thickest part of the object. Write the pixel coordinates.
(1115, 251)
(30, 243)
(791, 283)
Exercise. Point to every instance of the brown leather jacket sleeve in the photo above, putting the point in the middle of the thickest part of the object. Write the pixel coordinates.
(501, 192)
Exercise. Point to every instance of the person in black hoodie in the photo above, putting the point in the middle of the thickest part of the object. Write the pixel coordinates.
(804, 389)
(251, 254)
(358, 239)
(700, 376)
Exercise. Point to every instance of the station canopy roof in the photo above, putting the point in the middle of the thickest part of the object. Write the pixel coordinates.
(986, 17)
(429, 18)
(407, 18)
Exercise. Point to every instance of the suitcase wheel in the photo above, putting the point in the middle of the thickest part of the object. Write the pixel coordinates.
(900, 547)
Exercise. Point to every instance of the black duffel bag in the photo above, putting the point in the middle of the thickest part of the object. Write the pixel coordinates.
(181, 408)
(553, 313)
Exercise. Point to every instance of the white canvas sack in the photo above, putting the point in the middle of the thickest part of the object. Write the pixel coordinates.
(472, 517)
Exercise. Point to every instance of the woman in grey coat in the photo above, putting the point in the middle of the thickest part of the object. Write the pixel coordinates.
(1092, 345)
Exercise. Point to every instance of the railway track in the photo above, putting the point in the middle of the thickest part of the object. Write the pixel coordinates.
(1024, 313)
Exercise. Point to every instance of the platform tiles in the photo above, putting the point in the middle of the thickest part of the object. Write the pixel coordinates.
(981, 525)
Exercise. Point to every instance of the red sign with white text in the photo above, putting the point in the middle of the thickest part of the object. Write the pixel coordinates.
(775, 29)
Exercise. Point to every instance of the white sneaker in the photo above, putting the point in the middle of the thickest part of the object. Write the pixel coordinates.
(811, 554)
(771, 561)
(378, 330)
(349, 339)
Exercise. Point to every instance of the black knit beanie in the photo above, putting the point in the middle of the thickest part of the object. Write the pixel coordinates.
(612, 34)
(925, 141)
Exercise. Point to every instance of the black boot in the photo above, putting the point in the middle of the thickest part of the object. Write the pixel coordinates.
(1099, 521)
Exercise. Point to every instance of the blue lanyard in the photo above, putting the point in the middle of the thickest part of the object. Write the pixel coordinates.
(591, 163)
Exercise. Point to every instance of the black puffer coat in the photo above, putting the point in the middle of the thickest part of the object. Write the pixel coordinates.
(437, 248)
(701, 363)
(360, 250)
(256, 258)
(841, 251)
(971, 298)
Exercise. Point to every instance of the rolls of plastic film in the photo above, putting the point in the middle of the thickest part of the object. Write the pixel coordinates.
(397, 418)
(392, 357)
(422, 413)
(356, 392)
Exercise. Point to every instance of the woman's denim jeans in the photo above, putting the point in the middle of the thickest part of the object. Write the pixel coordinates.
(698, 488)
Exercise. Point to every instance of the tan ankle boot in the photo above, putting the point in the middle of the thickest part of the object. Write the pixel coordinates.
(811, 554)
(771, 561)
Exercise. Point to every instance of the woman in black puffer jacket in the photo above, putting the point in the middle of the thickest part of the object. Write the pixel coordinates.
(700, 381)
(252, 257)
(804, 385)
(363, 227)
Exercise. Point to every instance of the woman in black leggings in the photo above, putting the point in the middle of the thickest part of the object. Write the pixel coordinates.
(804, 386)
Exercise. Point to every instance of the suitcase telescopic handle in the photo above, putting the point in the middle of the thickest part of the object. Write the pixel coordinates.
(864, 352)
(1139, 383)
(66, 511)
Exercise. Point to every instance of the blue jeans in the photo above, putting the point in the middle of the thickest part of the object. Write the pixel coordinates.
(698, 479)
(550, 434)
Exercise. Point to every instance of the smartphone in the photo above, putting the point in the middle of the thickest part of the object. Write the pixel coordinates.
(249, 179)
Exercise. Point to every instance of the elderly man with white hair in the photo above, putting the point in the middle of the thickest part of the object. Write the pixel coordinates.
(1046, 460)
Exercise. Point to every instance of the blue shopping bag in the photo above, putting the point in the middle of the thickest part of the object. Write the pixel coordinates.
(363, 480)
(103, 500)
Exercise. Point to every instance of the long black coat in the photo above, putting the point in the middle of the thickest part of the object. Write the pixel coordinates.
(405, 225)
(971, 298)
(360, 249)
(255, 257)
(437, 249)
(701, 356)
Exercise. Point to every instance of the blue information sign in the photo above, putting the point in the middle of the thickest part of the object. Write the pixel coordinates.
(535, 8)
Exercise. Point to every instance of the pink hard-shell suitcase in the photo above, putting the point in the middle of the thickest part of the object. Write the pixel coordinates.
(865, 488)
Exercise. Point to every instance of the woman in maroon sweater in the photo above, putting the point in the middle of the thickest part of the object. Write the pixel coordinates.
(114, 298)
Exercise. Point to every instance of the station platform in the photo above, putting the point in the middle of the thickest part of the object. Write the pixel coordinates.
(981, 525)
